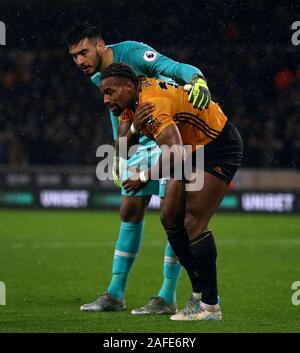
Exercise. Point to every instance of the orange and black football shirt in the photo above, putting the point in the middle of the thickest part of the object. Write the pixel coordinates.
(171, 106)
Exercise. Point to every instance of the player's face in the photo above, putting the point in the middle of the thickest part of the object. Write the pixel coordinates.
(87, 55)
(118, 93)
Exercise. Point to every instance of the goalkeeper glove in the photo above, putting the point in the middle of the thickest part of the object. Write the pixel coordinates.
(199, 95)
(116, 171)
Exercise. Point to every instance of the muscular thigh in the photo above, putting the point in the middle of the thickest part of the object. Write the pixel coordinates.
(202, 204)
(172, 206)
(133, 208)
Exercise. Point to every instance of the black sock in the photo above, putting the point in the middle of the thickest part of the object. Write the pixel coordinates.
(203, 256)
(180, 244)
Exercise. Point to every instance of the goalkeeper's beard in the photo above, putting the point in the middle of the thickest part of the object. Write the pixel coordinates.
(98, 61)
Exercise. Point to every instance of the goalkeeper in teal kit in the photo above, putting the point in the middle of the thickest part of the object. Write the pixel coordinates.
(92, 56)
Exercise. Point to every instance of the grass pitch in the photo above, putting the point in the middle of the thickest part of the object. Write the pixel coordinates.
(52, 262)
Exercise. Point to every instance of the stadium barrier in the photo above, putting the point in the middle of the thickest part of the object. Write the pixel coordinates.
(276, 191)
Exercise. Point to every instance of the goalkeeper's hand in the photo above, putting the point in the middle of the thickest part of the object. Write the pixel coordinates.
(199, 94)
(116, 172)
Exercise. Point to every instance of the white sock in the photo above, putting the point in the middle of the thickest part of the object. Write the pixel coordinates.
(209, 307)
(197, 296)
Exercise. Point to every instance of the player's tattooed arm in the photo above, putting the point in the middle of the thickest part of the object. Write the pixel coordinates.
(172, 152)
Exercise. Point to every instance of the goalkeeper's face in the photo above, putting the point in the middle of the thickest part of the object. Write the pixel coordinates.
(87, 55)
(118, 93)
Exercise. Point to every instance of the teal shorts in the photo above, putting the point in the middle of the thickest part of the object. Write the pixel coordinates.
(144, 158)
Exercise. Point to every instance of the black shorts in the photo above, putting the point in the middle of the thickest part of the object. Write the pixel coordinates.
(224, 156)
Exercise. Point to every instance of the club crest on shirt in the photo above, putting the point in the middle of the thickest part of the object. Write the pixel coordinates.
(145, 83)
(150, 55)
(125, 115)
(122, 115)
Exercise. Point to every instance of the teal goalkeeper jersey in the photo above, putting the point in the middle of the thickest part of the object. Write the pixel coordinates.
(148, 62)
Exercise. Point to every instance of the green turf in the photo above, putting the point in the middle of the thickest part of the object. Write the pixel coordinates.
(51, 262)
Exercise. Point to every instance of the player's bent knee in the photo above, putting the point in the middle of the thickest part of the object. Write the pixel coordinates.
(131, 214)
(169, 219)
(194, 224)
(132, 210)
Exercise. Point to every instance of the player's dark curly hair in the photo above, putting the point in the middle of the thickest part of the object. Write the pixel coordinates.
(82, 30)
(121, 70)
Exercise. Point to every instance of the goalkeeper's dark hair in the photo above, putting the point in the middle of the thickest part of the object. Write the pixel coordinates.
(81, 31)
(121, 70)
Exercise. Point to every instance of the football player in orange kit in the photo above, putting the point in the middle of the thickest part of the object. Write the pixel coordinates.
(162, 112)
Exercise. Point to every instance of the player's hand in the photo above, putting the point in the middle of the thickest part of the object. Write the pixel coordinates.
(199, 95)
(142, 115)
(133, 183)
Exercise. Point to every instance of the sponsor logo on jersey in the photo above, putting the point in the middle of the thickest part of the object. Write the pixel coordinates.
(150, 55)
(152, 125)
